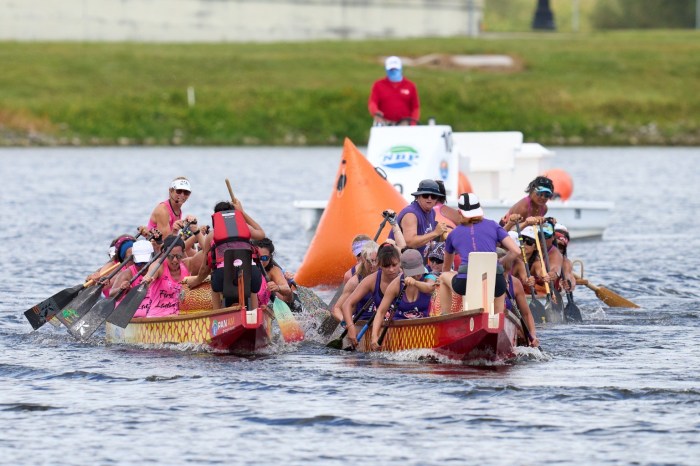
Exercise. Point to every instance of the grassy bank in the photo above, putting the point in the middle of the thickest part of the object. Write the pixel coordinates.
(602, 88)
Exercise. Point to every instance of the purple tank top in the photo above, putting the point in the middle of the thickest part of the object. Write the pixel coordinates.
(414, 309)
(426, 221)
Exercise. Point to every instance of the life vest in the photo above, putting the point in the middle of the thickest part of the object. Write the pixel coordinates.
(230, 232)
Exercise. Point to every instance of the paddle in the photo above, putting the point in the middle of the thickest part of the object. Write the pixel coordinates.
(338, 342)
(84, 327)
(571, 311)
(87, 298)
(289, 327)
(550, 312)
(40, 313)
(330, 323)
(394, 308)
(609, 297)
(557, 301)
(536, 307)
(516, 311)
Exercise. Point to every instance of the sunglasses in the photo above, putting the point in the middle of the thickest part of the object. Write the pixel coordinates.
(175, 256)
(545, 194)
(264, 258)
(182, 191)
(529, 241)
(429, 196)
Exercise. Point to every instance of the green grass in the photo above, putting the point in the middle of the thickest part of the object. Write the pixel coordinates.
(588, 88)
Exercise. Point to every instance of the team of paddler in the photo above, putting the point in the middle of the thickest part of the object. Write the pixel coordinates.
(424, 252)
(394, 280)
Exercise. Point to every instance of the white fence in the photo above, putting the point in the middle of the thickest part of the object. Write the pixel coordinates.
(235, 20)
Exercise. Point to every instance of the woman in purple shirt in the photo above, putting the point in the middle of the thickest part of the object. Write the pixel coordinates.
(473, 234)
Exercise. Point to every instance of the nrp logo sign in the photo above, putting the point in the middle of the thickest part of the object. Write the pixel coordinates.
(400, 157)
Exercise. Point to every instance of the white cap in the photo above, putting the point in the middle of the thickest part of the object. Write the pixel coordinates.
(560, 227)
(392, 63)
(142, 250)
(469, 205)
(181, 183)
(529, 232)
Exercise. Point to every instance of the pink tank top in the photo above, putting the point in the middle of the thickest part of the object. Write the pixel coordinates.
(164, 294)
(173, 218)
(263, 294)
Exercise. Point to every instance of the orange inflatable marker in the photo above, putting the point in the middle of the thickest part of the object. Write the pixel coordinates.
(355, 206)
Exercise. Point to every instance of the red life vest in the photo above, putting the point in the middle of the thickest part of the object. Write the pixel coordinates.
(230, 232)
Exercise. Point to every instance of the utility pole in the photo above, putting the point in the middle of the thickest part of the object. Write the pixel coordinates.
(544, 19)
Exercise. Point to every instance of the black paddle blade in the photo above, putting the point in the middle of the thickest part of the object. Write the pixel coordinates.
(128, 307)
(83, 328)
(80, 305)
(42, 312)
(572, 311)
(537, 310)
(551, 314)
(338, 342)
(328, 326)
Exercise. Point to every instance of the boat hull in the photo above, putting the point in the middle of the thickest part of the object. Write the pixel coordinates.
(472, 335)
(221, 330)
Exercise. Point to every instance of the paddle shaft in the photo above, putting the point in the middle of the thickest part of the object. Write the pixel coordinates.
(527, 267)
(545, 272)
(526, 330)
(394, 307)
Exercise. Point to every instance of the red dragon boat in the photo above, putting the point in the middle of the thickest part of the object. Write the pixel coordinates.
(230, 329)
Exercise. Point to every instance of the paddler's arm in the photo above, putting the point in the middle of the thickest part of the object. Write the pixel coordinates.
(392, 291)
(426, 286)
(204, 269)
(256, 231)
(365, 286)
(398, 234)
(409, 227)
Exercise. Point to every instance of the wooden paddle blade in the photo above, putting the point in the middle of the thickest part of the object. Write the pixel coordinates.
(613, 299)
(40, 313)
(289, 327)
(126, 309)
(83, 328)
(80, 305)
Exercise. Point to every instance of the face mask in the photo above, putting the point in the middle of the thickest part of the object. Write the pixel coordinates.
(394, 75)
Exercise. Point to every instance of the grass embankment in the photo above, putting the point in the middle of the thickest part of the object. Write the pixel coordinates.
(595, 89)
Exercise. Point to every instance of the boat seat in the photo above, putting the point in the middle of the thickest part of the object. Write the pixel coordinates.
(481, 281)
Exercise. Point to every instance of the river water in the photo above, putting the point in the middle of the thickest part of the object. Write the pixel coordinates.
(620, 388)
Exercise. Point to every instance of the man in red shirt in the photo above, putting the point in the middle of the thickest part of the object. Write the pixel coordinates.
(394, 99)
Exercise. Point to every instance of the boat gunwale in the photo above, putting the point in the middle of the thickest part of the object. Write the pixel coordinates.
(444, 317)
(187, 316)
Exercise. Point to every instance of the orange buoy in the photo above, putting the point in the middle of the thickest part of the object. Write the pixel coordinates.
(563, 184)
(355, 206)
(463, 184)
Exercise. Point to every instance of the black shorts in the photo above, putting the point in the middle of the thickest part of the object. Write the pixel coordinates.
(459, 284)
(217, 279)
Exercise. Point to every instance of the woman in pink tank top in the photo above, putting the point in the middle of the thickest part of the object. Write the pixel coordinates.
(164, 290)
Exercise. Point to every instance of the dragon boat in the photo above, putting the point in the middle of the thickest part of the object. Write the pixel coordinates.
(471, 331)
(231, 329)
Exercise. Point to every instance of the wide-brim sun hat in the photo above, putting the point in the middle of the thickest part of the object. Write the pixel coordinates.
(428, 187)
(470, 206)
(412, 263)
